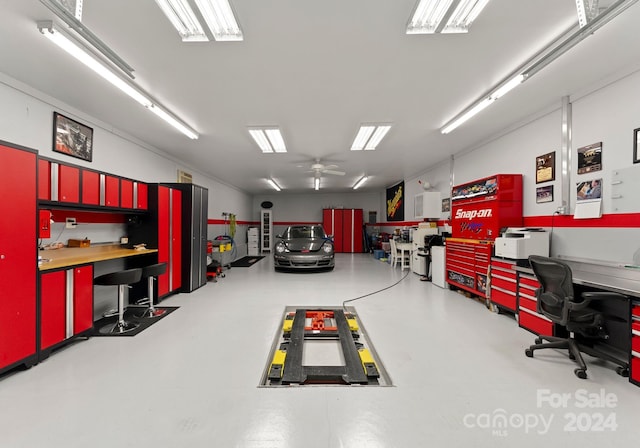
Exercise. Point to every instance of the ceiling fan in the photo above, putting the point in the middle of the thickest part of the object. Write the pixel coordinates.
(319, 168)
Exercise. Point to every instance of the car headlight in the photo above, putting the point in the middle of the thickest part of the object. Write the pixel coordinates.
(280, 247)
(327, 248)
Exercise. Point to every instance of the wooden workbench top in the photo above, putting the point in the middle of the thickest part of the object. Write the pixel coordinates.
(72, 256)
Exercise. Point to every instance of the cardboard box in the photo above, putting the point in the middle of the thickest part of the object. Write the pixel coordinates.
(79, 243)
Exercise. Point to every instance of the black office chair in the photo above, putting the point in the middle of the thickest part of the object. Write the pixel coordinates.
(555, 300)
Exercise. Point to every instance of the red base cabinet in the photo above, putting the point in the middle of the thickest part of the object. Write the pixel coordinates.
(634, 375)
(66, 306)
(346, 227)
(468, 264)
(504, 286)
(530, 319)
(18, 256)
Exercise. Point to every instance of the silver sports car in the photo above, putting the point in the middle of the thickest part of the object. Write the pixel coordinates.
(303, 247)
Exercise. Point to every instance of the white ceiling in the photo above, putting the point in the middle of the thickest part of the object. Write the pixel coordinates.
(317, 69)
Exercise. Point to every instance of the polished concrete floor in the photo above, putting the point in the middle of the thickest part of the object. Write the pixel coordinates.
(460, 376)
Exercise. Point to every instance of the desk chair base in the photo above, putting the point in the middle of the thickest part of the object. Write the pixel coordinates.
(562, 343)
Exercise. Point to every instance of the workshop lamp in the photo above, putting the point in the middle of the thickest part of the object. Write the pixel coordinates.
(88, 58)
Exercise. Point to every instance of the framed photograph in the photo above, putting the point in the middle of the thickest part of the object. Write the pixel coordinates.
(72, 138)
(446, 205)
(544, 194)
(636, 144)
(546, 167)
(590, 158)
(590, 189)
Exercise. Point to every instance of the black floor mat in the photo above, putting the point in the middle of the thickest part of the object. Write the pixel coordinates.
(246, 262)
(102, 326)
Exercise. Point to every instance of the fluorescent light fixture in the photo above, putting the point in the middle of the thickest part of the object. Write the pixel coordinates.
(463, 16)
(377, 136)
(268, 139)
(467, 115)
(316, 183)
(220, 19)
(508, 86)
(358, 184)
(183, 19)
(274, 184)
(173, 121)
(82, 55)
(87, 57)
(427, 16)
(444, 16)
(369, 136)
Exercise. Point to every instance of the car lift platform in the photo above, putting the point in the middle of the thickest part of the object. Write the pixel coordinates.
(301, 327)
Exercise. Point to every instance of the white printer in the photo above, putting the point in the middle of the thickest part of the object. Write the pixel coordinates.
(519, 243)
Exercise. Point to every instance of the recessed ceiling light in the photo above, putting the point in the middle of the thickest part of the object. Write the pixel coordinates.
(268, 139)
(369, 136)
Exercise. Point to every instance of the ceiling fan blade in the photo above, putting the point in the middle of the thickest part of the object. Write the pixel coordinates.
(336, 173)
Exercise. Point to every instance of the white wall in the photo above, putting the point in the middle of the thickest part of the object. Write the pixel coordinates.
(26, 119)
(607, 114)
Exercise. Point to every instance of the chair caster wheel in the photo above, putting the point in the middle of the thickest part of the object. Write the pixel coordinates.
(538, 341)
(580, 373)
(622, 371)
(529, 353)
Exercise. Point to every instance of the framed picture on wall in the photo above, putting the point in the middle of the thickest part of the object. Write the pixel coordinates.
(590, 158)
(446, 205)
(546, 167)
(72, 138)
(636, 144)
(544, 194)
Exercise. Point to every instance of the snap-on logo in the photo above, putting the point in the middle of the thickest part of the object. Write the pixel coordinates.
(470, 214)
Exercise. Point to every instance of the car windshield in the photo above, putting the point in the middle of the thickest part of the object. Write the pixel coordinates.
(304, 232)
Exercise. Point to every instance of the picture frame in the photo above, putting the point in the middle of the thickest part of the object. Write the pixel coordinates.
(636, 144)
(544, 194)
(589, 190)
(546, 167)
(72, 138)
(590, 158)
(446, 205)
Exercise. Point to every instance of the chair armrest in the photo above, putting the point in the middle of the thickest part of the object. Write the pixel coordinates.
(590, 296)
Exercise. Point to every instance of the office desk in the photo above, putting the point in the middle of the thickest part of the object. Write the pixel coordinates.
(623, 314)
(405, 251)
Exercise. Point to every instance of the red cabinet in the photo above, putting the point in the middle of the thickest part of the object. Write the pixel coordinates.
(44, 180)
(18, 256)
(634, 375)
(504, 285)
(126, 193)
(530, 319)
(479, 209)
(346, 227)
(66, 304)
(111, 191)
(68, 184)
(141, 195)
(467, 264)
(90, 187)
(169, 206)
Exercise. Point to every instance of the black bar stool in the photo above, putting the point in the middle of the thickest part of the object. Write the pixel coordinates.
(122, 279)
(151, 273)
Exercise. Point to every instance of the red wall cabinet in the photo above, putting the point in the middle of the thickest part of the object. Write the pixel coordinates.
(66, 304)
(126, 193)
(111, 191)
(44, 180)
(141, 195)
(90, 187)
(68, 184)
(18, 256)
(346, 227)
